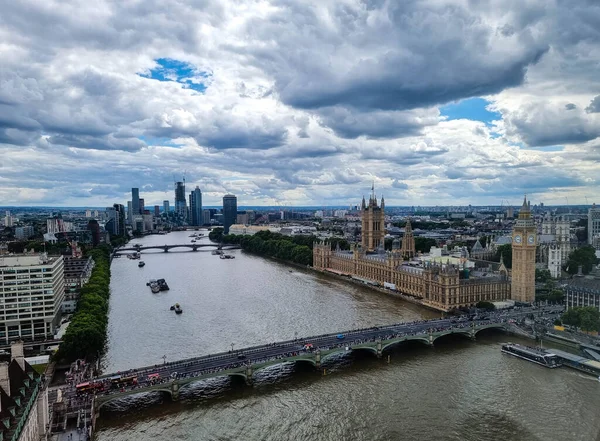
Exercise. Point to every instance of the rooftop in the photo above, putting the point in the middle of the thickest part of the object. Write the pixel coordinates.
(27, 260)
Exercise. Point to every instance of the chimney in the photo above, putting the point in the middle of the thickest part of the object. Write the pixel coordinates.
(4, 380)
(16, 353)
(580, 271)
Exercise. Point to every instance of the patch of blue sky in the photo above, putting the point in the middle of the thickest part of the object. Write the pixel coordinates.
(186, 74)
(151, 140)
(472, 108)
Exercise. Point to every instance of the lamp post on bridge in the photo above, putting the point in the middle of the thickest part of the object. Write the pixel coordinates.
(295, 335)
(164, 357)
(232, 348)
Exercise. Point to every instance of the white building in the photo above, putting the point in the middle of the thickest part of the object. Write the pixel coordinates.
(58, 225)
(32, 289)
(594, 227)
(250, 230)
(24, 232)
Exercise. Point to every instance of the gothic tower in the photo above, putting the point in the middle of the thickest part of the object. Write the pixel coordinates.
(408, 242)
(524, 243)
(373, 223)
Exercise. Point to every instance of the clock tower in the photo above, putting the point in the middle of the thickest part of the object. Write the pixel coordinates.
(524, 243)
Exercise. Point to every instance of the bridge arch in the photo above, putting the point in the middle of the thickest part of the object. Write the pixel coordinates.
(166, 391)
(394, 343)
(497, 326)
(466, 333)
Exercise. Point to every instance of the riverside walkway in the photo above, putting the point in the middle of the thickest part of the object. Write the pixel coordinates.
(244, 363)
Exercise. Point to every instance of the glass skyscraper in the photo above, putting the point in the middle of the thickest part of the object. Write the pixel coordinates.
(229, 212)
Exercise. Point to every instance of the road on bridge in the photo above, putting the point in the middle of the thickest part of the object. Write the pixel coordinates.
(246, 357)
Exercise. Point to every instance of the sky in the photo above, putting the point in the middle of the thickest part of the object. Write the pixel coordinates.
(285, 103)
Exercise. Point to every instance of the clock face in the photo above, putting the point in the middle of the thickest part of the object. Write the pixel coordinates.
(531, 239)
(518, 238)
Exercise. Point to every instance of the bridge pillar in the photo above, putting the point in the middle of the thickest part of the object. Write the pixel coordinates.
(472, 334)
(194, 248)
(430, 338)
(165, 249)
(379, 349)
(249, 373)
(175, 390)
(318, 359)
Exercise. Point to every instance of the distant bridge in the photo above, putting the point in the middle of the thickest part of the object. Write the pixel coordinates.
(166, 248)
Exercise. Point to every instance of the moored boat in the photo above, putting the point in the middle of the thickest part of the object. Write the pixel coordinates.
(535, 355)
(141, 263)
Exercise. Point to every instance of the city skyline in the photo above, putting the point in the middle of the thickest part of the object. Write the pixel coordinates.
(442, 103)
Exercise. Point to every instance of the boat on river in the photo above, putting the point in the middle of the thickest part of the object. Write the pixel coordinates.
(141, 263)
(162, 285)
(177, 308)
(154, 287)
(216, 252)
(535, 355)
(227, 256)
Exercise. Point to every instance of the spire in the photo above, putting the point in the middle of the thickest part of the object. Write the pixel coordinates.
(382, 202)
(373, 191)
(364, 205)
(525, 206)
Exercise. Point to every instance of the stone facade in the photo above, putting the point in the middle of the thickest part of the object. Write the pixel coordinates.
(523, 256)
(408, 242)
(439, 286)
(373, 223)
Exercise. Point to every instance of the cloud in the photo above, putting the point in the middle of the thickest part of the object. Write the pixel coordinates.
(305, 103)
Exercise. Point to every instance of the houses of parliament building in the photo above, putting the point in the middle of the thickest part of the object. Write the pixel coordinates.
(437, 283)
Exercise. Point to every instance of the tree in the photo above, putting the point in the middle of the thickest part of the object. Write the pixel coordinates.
(556, 296)
(486, 305)
(584, 257)
(506, 252)
(542, 275)
(587, 318)
(571, 318)
(424, 244)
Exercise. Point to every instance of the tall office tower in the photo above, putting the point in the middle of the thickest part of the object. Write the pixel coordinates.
(157, 210)
(129, 212)
(594, 227)
(523, 256)
(142, 206)
(31, 284)
(180, 204)
(116, 220)
(166, 207)
(135, 200)
(196, 207)
(229, 212)
(373, 223)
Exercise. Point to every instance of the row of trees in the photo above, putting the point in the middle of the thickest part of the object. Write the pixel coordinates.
(86, 334)
(586, 318)
(297, 249)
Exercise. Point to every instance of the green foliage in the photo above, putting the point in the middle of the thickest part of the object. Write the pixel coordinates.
(86, 334)
(584, 256)
(542, 275)
(586, 318)
(506, 252)
(423, 244)
(297, 249)
(557, 322)
(554, 296)
(216, 234)
(485, 305)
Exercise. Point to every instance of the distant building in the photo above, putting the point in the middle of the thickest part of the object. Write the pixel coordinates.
(251, 230)
(229, 212)
(94, 228)
(129, 212)
(373, 223)
(58, 225)
(242, 218)
(582, 291)
(34, 289)
(77, 272)
(24, 232)
(205, 217)
(523, 256)
(24, 399)
(88, 213)
(142, 206)
(408, 242)
(166, 207)
(157, 210)
(196, 207)
(115, 224)
(180, 204)
(594, 227)
(135, 200)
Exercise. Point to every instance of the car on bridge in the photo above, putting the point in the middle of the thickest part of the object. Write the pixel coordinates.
(241, 356)
(340, 336)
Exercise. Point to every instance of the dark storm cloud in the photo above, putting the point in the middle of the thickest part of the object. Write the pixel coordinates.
(395, 56)
(350, 123)
(570, 106)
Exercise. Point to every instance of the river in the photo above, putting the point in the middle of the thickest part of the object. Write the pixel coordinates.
(458, 390)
